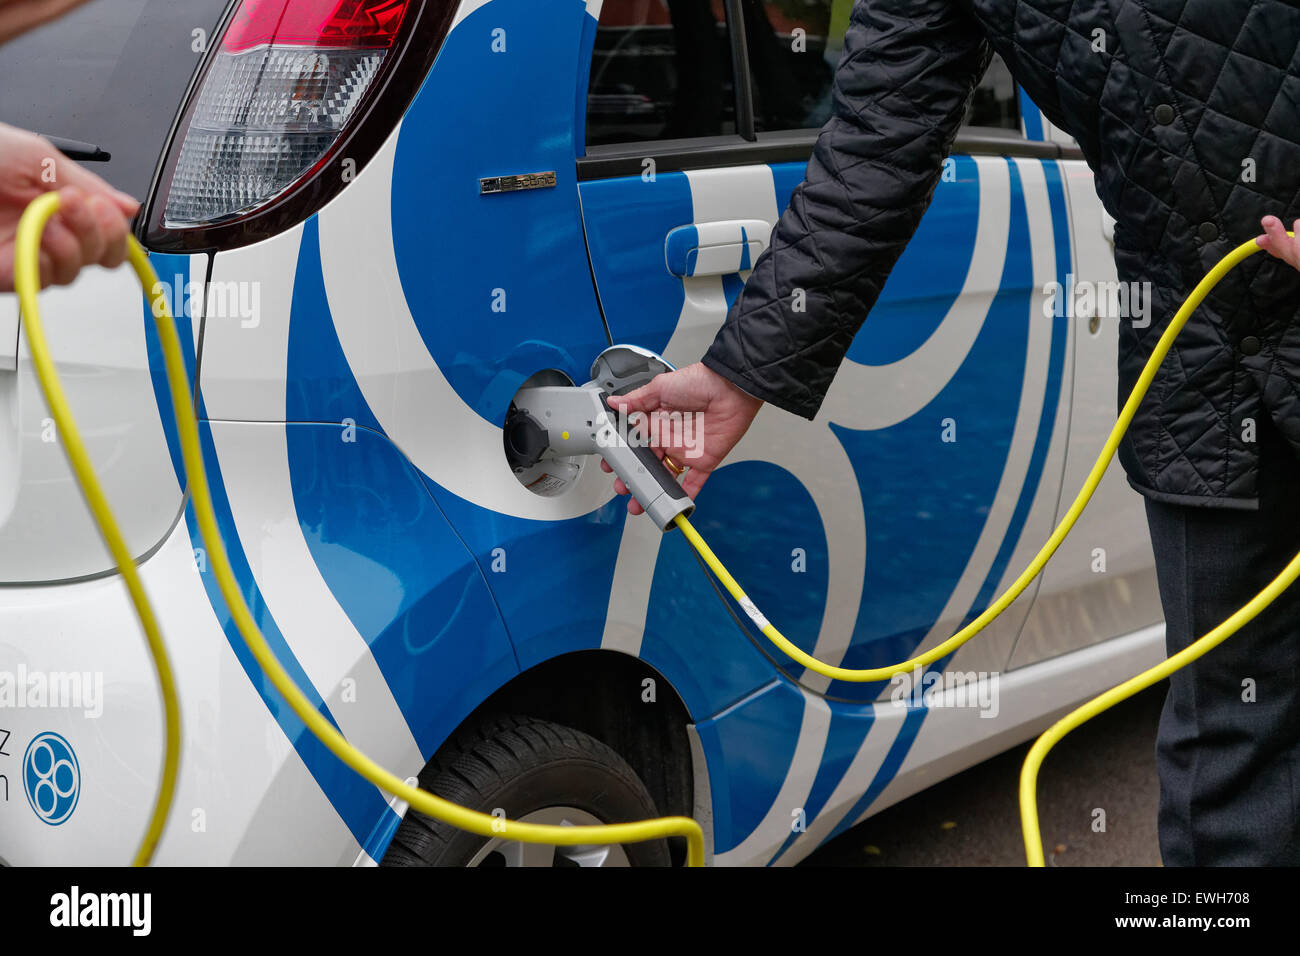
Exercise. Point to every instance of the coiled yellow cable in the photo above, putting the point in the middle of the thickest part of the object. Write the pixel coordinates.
(27, 282)
(1034, 760)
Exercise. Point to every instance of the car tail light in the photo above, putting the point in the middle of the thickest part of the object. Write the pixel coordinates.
(287, 85)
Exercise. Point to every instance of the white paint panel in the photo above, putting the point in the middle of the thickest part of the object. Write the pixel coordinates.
(991, 651)
(96, 333)
(255, 468)
(243, 794)
(244, 365)
(953, 739)
(8, 332)
(466, 8)
(1102, 580)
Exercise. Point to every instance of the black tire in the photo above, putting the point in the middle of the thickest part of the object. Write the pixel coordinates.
(521, 765)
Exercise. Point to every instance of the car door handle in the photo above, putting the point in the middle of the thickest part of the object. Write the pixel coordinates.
(8, 332)
(1108, 227)
(715, 248)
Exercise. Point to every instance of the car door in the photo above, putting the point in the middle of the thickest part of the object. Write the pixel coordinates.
(933, 469)
(1101, 583)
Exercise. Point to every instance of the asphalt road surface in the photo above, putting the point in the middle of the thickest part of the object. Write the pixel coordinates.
(973, 819)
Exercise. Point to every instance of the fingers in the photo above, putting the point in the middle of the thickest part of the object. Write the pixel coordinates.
(88, 230)
(61, 245)
(19, 16)
(1277, 243)
(114, 227)
(77, 213)
(1274, 232)
(691, 482)
(643, 399)
(72, 174)
(694, 480)
(633, 506)
(6, 266)
(93, 223)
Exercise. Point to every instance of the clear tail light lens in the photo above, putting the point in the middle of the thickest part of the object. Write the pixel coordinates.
(287, 85)
(275, 100)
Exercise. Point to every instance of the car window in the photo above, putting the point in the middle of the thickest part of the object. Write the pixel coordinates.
(660, 70)
(995, 102)
(794, 48)
(111, 74)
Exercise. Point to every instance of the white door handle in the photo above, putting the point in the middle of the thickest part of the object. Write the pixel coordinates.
(715, 248)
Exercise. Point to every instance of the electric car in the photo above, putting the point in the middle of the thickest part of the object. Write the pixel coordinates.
(375, 222)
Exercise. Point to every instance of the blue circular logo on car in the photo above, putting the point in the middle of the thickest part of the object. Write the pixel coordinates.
(51, 777)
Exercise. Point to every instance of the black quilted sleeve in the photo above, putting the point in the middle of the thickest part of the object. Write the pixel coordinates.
(900, 93)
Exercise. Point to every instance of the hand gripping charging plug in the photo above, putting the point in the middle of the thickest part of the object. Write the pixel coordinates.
(561, 421)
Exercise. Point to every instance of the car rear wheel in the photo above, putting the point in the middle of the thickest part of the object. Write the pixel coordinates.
(536, 772)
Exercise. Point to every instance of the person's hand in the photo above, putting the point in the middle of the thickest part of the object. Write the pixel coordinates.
(1277, 243)
(19, 16)
(91, 225)
(725, 415)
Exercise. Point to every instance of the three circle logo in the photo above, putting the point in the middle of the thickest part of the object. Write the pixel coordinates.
(51, 777)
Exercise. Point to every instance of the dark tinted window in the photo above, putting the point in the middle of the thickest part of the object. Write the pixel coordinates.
(661, 69)
(794, 48)
(111, 73)
(995, 102)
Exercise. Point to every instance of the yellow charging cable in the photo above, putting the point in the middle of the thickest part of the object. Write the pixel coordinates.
(1084, 713)
(1029, 774)
(1245, 614)
(27, 282)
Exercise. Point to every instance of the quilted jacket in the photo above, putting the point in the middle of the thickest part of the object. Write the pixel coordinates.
(1188, 111)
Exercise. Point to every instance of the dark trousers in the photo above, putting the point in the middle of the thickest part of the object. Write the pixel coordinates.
(1228, 748)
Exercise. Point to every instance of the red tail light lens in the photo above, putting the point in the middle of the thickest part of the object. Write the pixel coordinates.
(289, 82)
(345, 24)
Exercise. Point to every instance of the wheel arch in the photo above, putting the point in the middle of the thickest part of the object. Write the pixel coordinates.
(605, 694)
